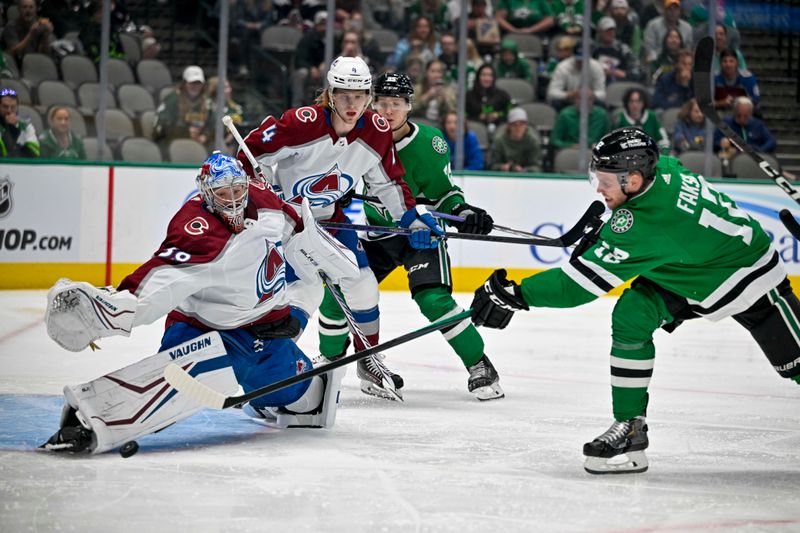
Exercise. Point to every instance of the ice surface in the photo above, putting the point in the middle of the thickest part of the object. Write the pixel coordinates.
(724, 432)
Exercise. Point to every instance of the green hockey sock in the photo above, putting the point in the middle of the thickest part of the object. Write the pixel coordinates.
(465, 340)
(333, 330)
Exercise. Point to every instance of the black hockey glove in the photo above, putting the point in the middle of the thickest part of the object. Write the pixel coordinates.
(346, 199)
(477, 221)
(496, 301)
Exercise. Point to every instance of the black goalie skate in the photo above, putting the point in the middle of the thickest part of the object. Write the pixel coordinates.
(620, 450)
(377, 379)
(72, 437)
(483, 381)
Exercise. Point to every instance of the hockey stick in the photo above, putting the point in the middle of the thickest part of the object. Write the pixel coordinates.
(386, 380)
(205, 395)
(453, 218)
(703, 59)
(228, 122)
(570, 237)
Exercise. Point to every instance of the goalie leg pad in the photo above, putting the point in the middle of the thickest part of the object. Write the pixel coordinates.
(136, 401)
(323, 395)
(261, 362)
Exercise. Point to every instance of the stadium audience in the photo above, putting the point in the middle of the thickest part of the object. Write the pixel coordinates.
(59, 141)
(518, 149)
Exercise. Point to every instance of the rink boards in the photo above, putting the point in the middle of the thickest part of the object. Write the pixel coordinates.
(97, 222)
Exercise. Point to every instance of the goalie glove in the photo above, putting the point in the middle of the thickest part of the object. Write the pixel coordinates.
(476, 220)
(79, 313)
(496, 301)
(422, 224)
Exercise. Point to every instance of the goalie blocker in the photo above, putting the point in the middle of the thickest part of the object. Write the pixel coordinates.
(107, 412)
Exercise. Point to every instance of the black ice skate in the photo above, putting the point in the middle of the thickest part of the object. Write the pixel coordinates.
(72, 437)
(620, 450)
(377, 379)
(483, 381)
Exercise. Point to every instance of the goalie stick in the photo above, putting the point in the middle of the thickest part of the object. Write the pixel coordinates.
(703, 59)
(570, 237)
(205, 395)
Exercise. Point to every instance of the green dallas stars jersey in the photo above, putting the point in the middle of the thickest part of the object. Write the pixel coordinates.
(426, 158)
(680, 233)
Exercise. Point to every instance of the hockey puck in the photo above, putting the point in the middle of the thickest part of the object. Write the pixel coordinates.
(129, 448)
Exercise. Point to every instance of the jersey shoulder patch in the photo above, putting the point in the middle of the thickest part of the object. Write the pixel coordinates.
(194, 233)
(621, 221)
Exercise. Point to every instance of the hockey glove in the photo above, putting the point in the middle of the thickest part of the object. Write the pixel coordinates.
(476, 220)
(421, 224)
(496, 300)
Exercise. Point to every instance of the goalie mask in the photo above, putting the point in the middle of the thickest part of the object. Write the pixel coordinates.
(222, 184)
(622, 151)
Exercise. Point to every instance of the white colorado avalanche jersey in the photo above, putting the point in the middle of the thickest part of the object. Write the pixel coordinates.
(212, 278)
(304, 158)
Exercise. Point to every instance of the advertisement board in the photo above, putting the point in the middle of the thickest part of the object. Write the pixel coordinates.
(56, 221)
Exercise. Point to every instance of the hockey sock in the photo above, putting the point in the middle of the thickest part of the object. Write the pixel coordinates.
(638, 313)
(437, 303)
(333, 329)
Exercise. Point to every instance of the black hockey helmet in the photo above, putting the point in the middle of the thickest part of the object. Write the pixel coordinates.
(625, 150)
(394, 85)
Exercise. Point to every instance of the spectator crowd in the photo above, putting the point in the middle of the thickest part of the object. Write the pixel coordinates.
(524, 86)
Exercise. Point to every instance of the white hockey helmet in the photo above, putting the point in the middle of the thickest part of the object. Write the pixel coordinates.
(349, 73)
(222, 183)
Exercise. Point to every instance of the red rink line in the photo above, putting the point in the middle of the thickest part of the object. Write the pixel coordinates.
(11, 334)
(708, 526)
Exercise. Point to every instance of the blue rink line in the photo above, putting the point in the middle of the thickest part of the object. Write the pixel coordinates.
(27, 421)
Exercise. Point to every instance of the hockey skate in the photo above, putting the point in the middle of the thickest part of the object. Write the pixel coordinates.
(620, 450)
(377, 379)
(73, 436)
(483, 381)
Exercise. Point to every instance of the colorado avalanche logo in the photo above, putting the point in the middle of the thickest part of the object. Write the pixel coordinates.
(381, 124)
(322, 189)
(306, 114)
(270, 278)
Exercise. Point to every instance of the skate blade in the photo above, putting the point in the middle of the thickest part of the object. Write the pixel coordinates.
(388, 393)
(626, 463)
(489, 392)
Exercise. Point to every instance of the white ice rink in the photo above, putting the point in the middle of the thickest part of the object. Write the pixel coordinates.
(724, 440)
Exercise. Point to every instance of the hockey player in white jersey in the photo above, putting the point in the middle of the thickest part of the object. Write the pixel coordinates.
(220, 277)
(321, 152)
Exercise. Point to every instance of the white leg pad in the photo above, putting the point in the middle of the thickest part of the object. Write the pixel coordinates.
(136, 401)
(325, 416)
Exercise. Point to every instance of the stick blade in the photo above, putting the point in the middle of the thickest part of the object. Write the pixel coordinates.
(186, 384)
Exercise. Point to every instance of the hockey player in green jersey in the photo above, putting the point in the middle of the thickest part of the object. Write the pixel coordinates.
(424, 154)
(693, 253)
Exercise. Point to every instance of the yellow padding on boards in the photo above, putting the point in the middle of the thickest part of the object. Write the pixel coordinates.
(44, 276)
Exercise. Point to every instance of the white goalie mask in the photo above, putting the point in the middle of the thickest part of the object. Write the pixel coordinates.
(222, 184)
